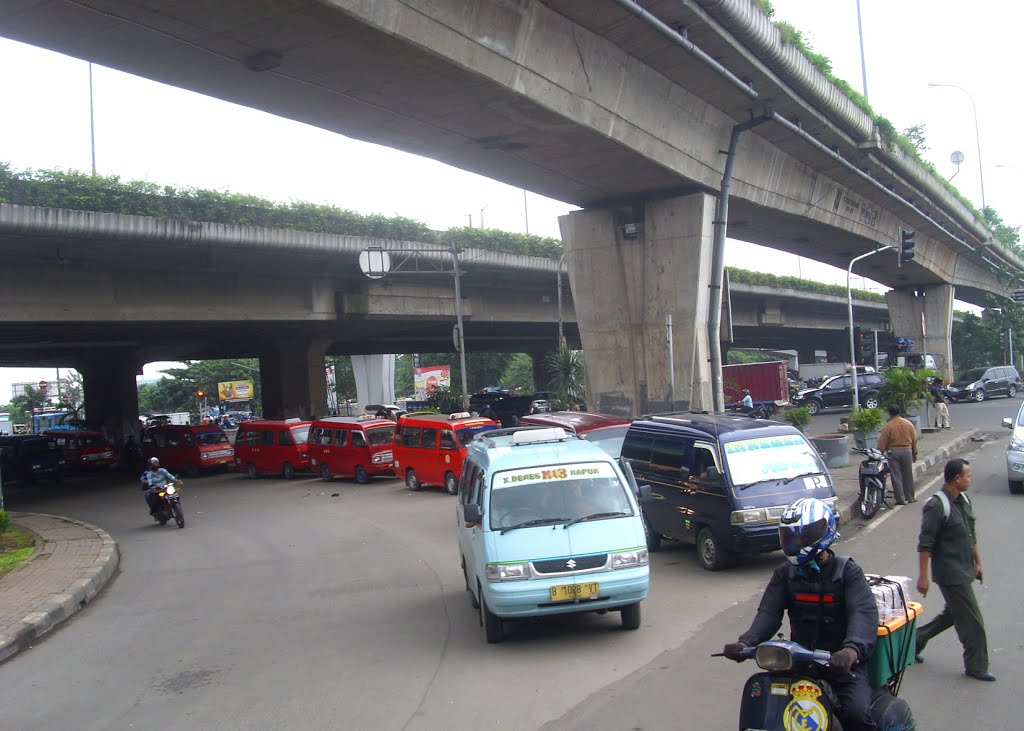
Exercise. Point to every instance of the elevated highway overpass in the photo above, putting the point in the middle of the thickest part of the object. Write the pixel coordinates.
(623, 111)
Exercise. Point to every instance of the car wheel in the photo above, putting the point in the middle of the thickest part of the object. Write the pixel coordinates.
(978, 395)
(631, 616)
(325, 473)
(1016, 487)
(412, 481)
(653, 539)
(713, 555)
(451, 483)
(814, 407)
(493, 629)
(871, 402)
(250, 471)
(1011, 391)
(361, 476)
(288, 471)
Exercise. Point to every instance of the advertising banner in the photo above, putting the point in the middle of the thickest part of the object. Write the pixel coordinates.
(235, 390)
(429, 378)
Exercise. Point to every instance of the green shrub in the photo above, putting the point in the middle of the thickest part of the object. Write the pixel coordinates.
(906, 387)
(866, 420)
(799, 417)
(5, 521)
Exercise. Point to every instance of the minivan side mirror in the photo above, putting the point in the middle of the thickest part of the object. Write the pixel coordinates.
(714, 475)
(684, 473)
(473, 515)
(1008, 423)
(644, 493)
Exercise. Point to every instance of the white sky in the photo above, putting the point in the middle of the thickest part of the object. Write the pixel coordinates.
(154, 132)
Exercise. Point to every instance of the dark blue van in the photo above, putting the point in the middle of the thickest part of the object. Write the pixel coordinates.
(721, 482)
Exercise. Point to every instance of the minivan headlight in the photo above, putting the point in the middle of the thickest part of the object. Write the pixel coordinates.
(744, 517)
(508, 571)
(629, 559)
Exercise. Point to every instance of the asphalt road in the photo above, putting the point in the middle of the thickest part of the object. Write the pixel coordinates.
(986, 415)
(281, 606)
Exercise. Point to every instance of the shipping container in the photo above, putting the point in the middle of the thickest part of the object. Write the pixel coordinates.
(766, 381)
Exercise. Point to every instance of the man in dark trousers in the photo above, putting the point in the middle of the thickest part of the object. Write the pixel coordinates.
(949, 542)
(898, 441)
(830, 607)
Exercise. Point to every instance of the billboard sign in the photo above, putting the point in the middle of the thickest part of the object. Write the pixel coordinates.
(235, 390)
(429, 378)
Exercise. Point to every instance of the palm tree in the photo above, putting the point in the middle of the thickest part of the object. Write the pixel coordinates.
(565, 375)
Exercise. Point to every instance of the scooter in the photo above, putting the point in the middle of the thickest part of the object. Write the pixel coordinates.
(760, 410)
(794, 694)
(168, 505)
(872, 475)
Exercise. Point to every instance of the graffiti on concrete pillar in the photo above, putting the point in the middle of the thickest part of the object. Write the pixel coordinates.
(855, 208)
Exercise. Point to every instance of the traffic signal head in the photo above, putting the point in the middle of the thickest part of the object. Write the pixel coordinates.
(200, 393)
(1002, 339)
(906, 246)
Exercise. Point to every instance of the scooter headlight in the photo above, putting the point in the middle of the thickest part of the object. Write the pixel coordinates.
(773, 658)
(171, 489)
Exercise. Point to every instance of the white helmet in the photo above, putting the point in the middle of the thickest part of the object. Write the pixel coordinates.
(154, 462)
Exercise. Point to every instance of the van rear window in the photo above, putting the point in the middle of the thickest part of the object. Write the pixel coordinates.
(380, 436)
(467, 433)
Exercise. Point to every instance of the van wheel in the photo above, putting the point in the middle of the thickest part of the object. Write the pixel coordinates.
(1016, 487)
(250, 471)
(451, 483)
(191, 470)
(713, 555)
(1011, 391)
(979, 395)
(493, 629)
(325, 473)
(871, 402)
(412, 481)
(814, 407)
(631, 616)
(361, 477)
(653, 539)
(288, 471)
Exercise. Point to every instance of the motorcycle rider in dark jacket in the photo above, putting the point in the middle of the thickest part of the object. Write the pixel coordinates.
(830, 607)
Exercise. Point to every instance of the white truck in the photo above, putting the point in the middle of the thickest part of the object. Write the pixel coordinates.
(182, 418)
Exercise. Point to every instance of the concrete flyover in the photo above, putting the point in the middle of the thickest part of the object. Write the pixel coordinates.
(622, 110)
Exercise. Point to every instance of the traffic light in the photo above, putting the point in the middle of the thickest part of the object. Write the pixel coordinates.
(1002, 339)
(200, 393)
(866, 347)
(906, 245)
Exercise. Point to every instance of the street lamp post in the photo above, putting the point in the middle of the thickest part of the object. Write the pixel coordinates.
(849, 307)
(977, 135)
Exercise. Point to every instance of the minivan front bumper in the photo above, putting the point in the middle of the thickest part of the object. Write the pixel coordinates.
(532, 597)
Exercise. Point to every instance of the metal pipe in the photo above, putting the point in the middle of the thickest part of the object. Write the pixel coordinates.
(680, 40)
(718, 264)
(561, 335)
(863, 65)
(92, 125)
(671, 362)
(458, 324)
(977, 137)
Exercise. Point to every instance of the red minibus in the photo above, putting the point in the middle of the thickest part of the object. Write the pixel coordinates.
(188, 449)
(266, 447)
(84, 450)
(346, 446)
(429, 448)
(607, 432)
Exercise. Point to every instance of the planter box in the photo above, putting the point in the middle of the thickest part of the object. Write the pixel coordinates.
(833, 448)
(866, 440)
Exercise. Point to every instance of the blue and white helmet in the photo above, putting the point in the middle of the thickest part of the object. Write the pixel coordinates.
(808, 527)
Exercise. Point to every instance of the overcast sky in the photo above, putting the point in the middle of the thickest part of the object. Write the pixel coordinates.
(150, 131)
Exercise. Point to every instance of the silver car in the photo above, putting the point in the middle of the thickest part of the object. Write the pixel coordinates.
(1015, 453)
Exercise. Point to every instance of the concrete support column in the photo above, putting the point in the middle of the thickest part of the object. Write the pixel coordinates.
(926, 316)
(623, 288)
(539, 371)
(375, 379)
(111, 395)
(293, 379)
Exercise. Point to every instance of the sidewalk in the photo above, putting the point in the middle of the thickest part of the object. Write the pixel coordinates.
(71, 563)
(932, 449)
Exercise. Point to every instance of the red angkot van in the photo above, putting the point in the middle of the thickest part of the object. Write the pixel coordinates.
(429, 448)
(84, 450)
(607, 432)
(267, 447)
(188, 449)
(344, 446)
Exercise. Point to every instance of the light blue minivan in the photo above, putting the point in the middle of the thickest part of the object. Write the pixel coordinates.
(549, 524)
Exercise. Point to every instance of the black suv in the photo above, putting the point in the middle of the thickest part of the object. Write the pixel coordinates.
(978, 384)
(837, 393)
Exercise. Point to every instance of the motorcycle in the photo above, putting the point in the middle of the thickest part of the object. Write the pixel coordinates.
(872, 476)
(759, 410)
(168, 505)
(794, 692)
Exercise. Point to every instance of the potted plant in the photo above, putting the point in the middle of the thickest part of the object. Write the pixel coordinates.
(799, 417)
(865, 425)
(907, 388)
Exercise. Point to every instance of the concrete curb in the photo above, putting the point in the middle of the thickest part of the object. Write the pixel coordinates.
(62, 606)
(936, 456)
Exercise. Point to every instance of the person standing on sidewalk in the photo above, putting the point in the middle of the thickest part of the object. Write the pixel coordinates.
(898, 441)
(939, 399)
(949, 541)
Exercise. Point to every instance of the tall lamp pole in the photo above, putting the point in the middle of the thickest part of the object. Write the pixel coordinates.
(977, 135)
(863, 65)
(849, 308)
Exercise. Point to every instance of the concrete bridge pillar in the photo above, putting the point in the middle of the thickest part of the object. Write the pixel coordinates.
(111, 395)
(627, 273)
(293, 379)
(375, 379)
(926, 316)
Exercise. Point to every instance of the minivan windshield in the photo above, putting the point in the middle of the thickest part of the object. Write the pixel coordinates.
(975, 374)
(558, 494)
(380, 436)
(214, 436)
(764, 459)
